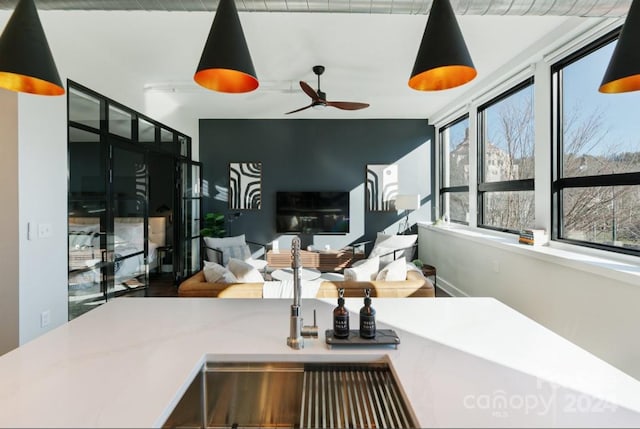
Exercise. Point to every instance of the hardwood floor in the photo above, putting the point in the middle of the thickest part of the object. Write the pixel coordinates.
(160, 285)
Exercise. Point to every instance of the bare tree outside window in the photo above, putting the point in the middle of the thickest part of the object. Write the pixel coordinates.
(600, 155)
(454, 189)
(507, 146)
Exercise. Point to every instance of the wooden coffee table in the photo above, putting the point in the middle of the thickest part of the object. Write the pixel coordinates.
(325, 261)
(286, 274)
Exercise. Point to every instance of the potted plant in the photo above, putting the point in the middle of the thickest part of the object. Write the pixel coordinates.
(213, 225)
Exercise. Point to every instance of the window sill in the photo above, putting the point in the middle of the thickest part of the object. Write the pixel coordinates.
(619, 267)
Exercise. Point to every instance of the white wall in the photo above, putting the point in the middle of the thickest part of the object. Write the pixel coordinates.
(596, 309)
(43, 201)
(9, 221)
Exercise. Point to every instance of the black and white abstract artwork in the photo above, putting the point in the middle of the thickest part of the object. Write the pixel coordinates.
(382, 186)
(245, 182)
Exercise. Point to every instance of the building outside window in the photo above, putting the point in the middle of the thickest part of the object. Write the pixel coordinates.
(596, 172)
(454, 170)
(506, 160)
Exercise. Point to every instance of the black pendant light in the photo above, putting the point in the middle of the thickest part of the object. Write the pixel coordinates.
(443, 60)
(26, 63)
(226, 64)
(623, 72)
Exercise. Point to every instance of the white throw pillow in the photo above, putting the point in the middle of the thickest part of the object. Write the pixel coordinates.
(385, 245)
(216, 273)
(231, 247)
(244, 271)
(258, 264)
(366, 270)
(395, 271)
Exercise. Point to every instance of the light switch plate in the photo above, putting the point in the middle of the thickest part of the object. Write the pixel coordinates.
(44, 230)
(45, 318)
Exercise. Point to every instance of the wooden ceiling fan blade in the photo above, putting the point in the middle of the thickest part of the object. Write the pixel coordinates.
(347, 105)
(297, 110)
(309, 91)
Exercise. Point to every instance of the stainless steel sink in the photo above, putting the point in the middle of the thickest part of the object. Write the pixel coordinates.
(293, 394)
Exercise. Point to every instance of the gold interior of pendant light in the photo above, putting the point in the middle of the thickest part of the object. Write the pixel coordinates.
(443, 60)
(225, 64)
(26, 63)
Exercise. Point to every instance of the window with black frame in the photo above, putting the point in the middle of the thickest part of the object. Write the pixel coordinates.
(506, 160)
(454, 170)
(596, 174)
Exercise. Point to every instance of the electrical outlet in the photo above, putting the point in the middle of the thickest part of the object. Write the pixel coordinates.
(45, 318)
(44, 230)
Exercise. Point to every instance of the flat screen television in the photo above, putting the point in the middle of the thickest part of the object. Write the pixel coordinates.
(312, 212)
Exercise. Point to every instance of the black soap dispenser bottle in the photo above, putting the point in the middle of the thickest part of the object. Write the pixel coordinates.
(367, 317)
(340, 318)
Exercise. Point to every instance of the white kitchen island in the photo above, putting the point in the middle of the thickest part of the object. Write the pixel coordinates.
(470, 362)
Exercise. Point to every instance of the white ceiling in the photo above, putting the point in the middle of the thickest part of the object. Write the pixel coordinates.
(368, 58)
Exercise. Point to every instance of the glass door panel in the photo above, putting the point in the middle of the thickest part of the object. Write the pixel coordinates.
(120, 122)
(162, 202)
(190, 217)
(167, 141)
(184, 146)
(87, 221)
(85, 109)
(130, 223)
(87, 256)
(146, 131)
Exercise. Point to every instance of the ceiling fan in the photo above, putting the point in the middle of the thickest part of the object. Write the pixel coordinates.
(319, 98)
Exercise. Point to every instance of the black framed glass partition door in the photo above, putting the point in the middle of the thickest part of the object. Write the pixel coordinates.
(125, 195)
(128, 261)
(88, 203)
(191, 211)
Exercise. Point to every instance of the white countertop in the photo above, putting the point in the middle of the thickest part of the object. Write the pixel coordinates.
(462, 362)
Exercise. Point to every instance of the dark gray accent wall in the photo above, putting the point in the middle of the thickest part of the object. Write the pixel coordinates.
(318, 155)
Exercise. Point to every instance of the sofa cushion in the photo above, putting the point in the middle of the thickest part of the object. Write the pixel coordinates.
(216, 273)
(395, 271)
(258, 264)
(363, 270)
(231, 247)
(244, 272)
(416, 285)
(385, 245)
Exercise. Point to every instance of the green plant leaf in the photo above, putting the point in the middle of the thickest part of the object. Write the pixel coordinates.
(213, 225)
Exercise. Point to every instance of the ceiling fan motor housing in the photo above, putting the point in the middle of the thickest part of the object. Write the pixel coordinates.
(319, 98)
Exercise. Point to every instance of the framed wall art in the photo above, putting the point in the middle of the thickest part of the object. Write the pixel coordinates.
(245, 185)
(382, 186)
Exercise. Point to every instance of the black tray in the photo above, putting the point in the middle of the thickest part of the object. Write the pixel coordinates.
(384, 337)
